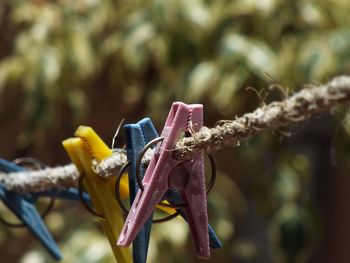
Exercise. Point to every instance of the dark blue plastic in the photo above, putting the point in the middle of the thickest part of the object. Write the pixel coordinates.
(27, 212)
(137, 136)
(71, 194)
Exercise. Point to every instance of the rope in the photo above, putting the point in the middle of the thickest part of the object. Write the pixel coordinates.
(299, 107)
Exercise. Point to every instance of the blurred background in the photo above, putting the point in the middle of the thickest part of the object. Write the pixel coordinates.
(280, 197)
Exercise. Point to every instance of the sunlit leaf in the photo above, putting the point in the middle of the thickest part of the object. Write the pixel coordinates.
(202, 78)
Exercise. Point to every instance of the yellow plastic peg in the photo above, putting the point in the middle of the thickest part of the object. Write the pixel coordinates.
(84, 148)
(82, 151)
(100, 152)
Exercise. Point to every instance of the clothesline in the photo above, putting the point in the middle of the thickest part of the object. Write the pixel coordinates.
(300, 106)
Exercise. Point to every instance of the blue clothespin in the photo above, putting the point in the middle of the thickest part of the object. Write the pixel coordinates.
(137, 136)
(27, 212)
(70, 194)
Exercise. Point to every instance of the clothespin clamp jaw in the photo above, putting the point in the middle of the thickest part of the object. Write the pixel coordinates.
(27, 213)
(164, 172)
(82, 150)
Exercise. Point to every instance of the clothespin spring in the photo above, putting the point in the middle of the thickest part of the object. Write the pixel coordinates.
(159, 139)
(139, 181)
(126, 211)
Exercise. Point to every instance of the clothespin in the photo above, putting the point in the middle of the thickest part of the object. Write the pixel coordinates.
(174, 198)
(66, 194)
(137, 137)
(71, 194)
(27, 213)
(164, 172)
(82, 150)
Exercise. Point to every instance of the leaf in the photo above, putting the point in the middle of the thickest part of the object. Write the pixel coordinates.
(257, 56)
(228, 85)
(316, 60)
(201, 79)
(135, 49)
(82, 54)
(10, 71)
(51, 66)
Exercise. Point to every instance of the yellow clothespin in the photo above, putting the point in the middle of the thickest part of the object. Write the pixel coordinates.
(82, 151)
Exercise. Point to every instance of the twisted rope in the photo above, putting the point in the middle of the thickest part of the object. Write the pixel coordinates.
(297, 108)
(303, 104)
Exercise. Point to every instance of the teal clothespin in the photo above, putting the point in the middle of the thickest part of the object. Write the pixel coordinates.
(27, 212)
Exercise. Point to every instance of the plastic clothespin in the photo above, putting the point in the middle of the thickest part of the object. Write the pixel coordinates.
(174, 198)
(27, 213)
(66, 194)
(137, 136)
(164, 172)
(82, 150)
(71, 194)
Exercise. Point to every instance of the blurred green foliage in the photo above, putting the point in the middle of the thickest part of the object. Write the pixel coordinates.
(57, 56)
(159, 51)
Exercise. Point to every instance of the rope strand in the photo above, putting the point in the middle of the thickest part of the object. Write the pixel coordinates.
(297, 108)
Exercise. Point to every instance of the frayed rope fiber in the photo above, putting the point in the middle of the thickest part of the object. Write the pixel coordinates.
(296, 108)
(303, 104)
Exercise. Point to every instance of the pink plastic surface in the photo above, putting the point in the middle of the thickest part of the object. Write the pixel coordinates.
(162, 174)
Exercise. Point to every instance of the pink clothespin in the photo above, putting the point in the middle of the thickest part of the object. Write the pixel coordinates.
(164, 172)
